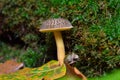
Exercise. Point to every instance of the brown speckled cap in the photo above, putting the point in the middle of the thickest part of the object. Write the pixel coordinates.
(58, 24)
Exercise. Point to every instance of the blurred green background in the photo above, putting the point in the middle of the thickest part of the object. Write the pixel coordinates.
(95, 36)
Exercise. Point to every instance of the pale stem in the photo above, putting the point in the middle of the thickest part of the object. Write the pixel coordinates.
(60, 47)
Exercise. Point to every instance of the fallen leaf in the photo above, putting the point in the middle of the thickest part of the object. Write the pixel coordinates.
(10, 66)
(77, 72)
(72, 73)
(49, 71)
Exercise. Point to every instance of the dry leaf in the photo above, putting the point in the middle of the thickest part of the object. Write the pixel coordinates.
(75, 71)
(10, 66)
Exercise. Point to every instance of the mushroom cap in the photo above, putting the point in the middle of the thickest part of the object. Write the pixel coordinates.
(58, 24)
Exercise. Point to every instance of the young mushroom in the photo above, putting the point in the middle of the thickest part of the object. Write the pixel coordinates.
(55, 26)
(71, 58)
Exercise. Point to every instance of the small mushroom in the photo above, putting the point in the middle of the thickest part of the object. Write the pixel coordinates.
(55, 26)
(71, 58)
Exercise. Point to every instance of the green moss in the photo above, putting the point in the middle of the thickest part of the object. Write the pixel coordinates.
(113, 75)
(95, 36)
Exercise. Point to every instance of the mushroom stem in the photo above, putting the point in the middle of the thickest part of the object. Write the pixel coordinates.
(60, 47)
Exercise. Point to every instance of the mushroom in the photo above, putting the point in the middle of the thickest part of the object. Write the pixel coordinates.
(71, 58)
(55, 26)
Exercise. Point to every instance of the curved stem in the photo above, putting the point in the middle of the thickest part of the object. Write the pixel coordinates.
(60, 47)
